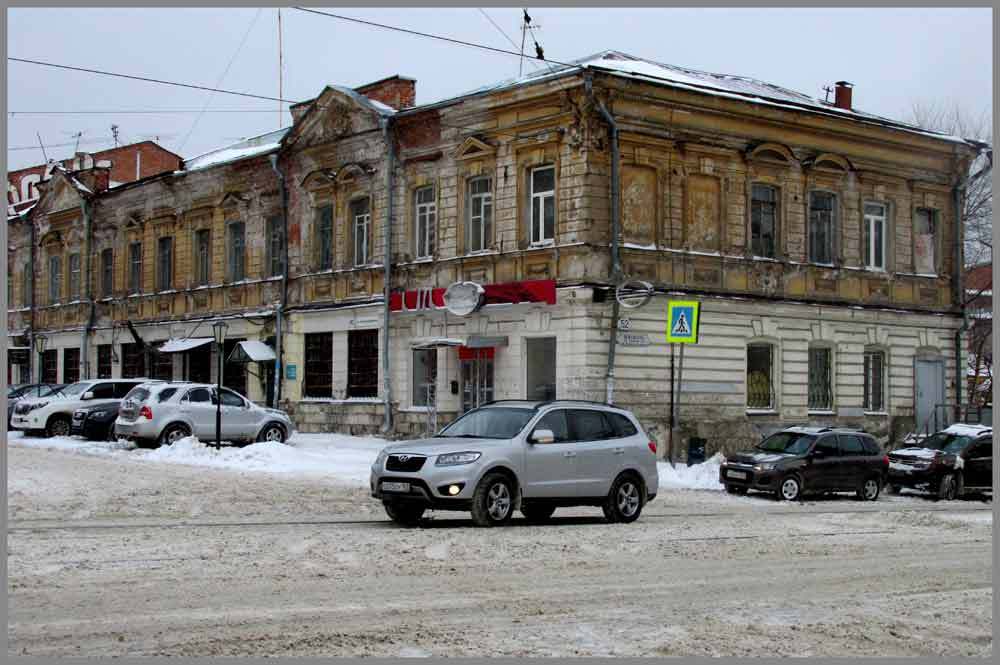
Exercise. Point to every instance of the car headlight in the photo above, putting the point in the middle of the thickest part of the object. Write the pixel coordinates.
(380, 460)
(764, 467)
(454, 459)
(37, 405)
(99, 414)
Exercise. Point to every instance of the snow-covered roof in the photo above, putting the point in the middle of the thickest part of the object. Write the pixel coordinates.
(251, 147)
(722, 85)
(175, 345)
(961, 429)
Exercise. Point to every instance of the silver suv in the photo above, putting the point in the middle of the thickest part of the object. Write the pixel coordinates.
(163, 412)
(532, 456)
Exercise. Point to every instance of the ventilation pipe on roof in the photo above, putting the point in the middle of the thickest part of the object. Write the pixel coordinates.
(842, 95)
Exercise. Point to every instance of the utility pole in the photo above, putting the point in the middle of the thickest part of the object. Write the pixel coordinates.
(280, 68)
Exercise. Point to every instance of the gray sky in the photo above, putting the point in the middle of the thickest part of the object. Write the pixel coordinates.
(893, 56)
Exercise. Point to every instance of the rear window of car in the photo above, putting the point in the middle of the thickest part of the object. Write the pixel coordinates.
(850, 445)
(587, 425)
(871, 446)
(137, 394)
(623, 426)
(165, 394)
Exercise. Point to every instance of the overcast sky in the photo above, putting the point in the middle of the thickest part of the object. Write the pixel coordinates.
(893, 56)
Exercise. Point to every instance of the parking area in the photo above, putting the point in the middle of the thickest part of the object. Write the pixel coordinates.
(127, 552)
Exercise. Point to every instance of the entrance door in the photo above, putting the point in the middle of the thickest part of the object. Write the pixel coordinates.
(477, 377)
(929, 388)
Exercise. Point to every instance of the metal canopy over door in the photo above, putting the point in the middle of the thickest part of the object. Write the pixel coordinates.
(929, 389)
(477, 376)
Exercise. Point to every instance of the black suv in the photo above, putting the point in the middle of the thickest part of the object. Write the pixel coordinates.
(798, 460)
(945, 464)
(96, 422)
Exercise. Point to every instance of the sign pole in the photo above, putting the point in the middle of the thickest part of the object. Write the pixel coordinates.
(680, 379)
(670, 429)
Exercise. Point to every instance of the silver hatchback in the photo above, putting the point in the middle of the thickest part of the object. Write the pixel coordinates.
(531, 456)
(164, 412)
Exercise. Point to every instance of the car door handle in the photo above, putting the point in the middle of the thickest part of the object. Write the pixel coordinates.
(569, 453)
(619, 451)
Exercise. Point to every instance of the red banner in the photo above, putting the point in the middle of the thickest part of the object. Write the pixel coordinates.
(538, 290)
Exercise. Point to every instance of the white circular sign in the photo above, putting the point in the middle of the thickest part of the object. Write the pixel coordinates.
(633, 293)
(464, 298)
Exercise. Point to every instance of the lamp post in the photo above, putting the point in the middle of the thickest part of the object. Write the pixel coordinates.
(40, 342)
(219, 330)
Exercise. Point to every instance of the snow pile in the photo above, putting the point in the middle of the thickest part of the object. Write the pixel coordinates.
(704, 476)
(920, 453)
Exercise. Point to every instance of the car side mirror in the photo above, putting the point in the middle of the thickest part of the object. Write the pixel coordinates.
(88, 395)
(542, 436)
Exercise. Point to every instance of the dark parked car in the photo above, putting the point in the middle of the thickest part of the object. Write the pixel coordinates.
(800, 460)
(945, 464)
(14, 393)
(96, 422)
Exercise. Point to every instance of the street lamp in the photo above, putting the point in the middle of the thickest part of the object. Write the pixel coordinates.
(219, 330)
(40, 342)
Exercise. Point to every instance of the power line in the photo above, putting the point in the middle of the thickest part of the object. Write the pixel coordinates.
(490, 19)
(137, 111)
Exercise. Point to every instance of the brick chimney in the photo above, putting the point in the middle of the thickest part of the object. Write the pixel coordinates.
(399, 92)
(842, 95)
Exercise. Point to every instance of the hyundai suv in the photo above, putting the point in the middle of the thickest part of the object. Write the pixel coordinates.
(53, 414)
(531, 456)
(164, 412)
(800, 460)
(946, 464)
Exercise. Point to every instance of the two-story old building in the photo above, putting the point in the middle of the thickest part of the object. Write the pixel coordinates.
(402, 263)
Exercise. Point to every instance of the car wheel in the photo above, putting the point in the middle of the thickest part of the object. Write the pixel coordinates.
(736, 489)
(790, 489)
(947, 487)
(273, 433)
(404, 513)
(57, 426)
(493, 500)
(869, 489)
(624, 501)
(537, 512)
(173, 434)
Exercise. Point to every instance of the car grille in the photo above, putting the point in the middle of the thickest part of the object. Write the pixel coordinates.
(403, 462)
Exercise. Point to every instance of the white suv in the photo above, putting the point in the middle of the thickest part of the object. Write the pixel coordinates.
(53, 414)
(164, 412)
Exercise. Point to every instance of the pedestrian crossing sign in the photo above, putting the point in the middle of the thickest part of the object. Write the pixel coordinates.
(682, 321)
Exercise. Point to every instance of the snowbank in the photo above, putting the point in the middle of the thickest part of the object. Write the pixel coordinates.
(704, 476)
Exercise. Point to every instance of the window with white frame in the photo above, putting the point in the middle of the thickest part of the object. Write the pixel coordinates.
(425, 221)
(424, 376)
(874, 395)
(820, 378)
(74, 276)
(361, 221)
(760, 376)
(479, 225)
(925, 242)
(543, 204)
(875, 236)
(822, 226)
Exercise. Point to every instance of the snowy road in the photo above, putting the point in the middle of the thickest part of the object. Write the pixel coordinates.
(118, 552)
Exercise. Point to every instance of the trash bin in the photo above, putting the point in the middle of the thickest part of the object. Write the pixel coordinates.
(696, 450)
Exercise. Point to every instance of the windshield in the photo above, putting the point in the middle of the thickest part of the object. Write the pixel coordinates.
(792, 443)
(489, 423)
(76, 388)
(945, 442)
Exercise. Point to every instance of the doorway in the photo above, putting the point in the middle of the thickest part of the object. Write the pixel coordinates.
(477, 376)
(929, 389)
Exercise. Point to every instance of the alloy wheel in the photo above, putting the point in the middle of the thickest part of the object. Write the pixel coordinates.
(273, 434)
(175, 435)
(498, 501)
(871, 489)
(790, 489)
(628, 498)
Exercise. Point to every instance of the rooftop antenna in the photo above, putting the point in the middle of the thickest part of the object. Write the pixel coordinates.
(828, 90)
(524, 31)
(76, 148)
(42, 146)
(280, 67)
(114, 133)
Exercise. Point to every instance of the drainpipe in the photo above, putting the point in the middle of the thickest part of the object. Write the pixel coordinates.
(279, 309)
(387, 260)
(32, 256)
(86, 260)
(615, 214)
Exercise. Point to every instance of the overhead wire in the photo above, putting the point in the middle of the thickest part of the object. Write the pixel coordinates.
(502, 32)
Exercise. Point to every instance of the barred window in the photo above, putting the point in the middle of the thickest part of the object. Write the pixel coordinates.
(71, 365)
(875, 381)
(480, 214)
(820, 379)
(822, 226)
(133, 361)
(103, 361)
(318, 370)
(763, 220)
(760, 376)
(425, 212)
(50, 366)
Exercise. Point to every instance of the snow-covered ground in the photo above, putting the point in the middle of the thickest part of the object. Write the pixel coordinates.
(336, 457)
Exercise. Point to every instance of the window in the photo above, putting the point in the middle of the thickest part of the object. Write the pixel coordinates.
(230, 398)
(541, 362)
(425, 211)
(135, 267)
(318, 370)
(760, 379)
(850, 445)
(122, 388)
(74, 277)
(103, 391)
(763, 220)
(828, 446)
(199, 396)
(202, 257)
(874, 381)
(324, 237)
(107, 272)
(925, 242)
(587, 425)
(71, 365)
(362, 363)
(543, 204)
(424, 376)
(820, 377)
(237, 251)
(165, 394)
(480, 214)
(55, 280)
(165, 263)
(103, 361)
(622, 425)
(26, 281)
(50, 366)
(275, 244)
(556, 422)
(822, 223)
(163, 366)
(133, 361)
(361, 228)
(234, 375)
(875, 236)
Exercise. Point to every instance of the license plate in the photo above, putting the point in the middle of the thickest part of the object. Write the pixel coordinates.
(395, 487)
(742, 475)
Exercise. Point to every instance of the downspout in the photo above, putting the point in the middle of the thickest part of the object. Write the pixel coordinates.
(387, 278)
(87, 260)
(615, 223)
(279, 309)
(32, 267)
(957, 193)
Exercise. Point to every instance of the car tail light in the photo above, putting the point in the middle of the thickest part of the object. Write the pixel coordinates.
(652, 446)
(885, 460)
(146, 412)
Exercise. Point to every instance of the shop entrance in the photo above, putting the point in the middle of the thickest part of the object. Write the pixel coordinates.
(477, 376)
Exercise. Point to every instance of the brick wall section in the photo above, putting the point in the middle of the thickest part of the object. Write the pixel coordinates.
(398, 92)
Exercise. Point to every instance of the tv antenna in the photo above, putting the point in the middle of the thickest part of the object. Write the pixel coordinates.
(828, 90)
(114, 133)
(526, 28)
